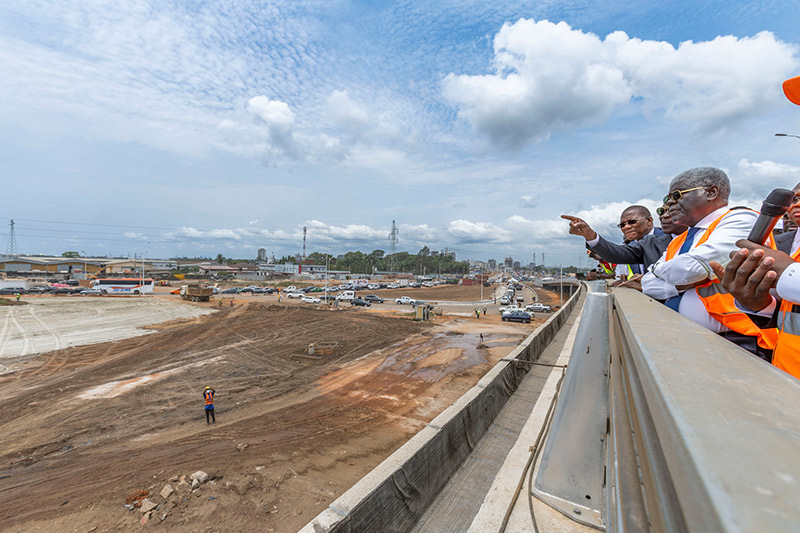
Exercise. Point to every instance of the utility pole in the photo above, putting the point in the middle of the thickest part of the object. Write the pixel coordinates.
(392, 264)
(305, 229)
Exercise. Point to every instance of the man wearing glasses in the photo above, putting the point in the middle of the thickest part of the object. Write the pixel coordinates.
(645, 244)
(755, 270)
(698, 198)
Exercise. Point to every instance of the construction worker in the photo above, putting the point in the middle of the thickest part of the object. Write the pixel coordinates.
(18, 296)
(477, 313)
(208, 396)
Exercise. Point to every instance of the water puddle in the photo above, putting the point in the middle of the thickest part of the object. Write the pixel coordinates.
(444, 354)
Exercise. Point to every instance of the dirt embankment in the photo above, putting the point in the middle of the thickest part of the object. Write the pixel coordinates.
(85, 426)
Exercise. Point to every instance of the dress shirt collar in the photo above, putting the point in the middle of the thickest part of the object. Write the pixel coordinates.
(711, 217)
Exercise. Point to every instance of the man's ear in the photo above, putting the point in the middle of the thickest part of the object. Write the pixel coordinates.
(712, 192)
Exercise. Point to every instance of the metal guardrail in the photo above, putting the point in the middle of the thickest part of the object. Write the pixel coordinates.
(700, 435)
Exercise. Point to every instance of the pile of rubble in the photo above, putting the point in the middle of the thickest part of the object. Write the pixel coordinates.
(166, 500)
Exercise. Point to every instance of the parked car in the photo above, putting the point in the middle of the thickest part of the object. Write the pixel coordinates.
(314, 289)
(505, 300)
(516, 315)
(290, 288)
(92, 292)
(310, 300)
(513, 307)
(246, 289)
(538, 308)
(38, 290)
(359, 302)
(346, 295)
(297, 294)
(12, 290)
(404, 300)
(372, 298)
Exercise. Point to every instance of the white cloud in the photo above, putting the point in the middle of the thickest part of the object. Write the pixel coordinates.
(528, 201)
(349, 114)
(549, 77)
(133, 235)
(769, 170)
(472, 232)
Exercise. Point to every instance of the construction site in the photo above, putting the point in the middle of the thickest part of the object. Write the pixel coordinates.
(103, 424)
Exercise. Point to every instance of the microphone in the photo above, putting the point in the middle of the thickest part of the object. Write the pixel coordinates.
(776, 204)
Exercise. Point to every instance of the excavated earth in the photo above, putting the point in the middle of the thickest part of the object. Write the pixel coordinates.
(89, 429)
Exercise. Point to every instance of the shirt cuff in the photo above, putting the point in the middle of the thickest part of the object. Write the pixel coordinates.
(593, 242)
(767, 311)
(788, 286)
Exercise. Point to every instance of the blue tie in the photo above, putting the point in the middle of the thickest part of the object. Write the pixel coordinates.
(675, 301)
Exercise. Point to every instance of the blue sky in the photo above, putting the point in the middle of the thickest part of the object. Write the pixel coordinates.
(197, 128)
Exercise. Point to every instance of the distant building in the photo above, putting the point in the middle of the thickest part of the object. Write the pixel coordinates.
(492, 264)
(262, 254)
(509, 262)
(515, 265)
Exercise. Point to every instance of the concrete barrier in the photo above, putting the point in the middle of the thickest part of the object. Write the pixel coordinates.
(394, 495)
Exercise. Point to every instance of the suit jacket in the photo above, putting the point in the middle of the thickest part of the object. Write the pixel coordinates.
(646, 251)
(784, 241)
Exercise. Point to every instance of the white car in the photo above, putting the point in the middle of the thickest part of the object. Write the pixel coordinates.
(404, 300)
(295, 295)
(538, 308)
(290, 288)
(509, 308)
(310, 300)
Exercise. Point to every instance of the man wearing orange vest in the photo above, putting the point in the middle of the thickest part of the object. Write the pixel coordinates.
(698, 198)
(208, 396)
(754, 270)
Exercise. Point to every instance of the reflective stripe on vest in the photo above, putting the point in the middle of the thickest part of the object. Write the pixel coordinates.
(787, 350)
(720, 304)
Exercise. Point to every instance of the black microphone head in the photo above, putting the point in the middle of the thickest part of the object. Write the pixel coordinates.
(777, 203)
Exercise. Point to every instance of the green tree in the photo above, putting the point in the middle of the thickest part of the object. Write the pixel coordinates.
(220, 259)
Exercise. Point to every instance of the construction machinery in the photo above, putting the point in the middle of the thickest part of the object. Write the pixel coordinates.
(196, 293)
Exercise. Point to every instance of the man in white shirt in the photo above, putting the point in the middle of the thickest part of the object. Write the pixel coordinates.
(698, 198)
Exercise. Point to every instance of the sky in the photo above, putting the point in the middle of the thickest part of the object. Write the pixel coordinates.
(173, 129)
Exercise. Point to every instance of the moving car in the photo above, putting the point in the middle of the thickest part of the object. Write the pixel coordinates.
(359, 302)
(509, 308)
(297, 294)
(516, 315)
(404, 300)
(310, 300)
(373, 298)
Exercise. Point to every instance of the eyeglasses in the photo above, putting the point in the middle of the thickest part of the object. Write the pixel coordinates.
(630, 222)
(677, 195)
(661, 210)
(796, 200)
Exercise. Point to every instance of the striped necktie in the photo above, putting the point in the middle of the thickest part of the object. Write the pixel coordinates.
(675, 301)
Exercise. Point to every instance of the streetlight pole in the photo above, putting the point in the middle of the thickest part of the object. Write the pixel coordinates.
(84, 264)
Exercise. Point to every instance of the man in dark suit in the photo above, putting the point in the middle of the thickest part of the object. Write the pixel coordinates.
(646, 242)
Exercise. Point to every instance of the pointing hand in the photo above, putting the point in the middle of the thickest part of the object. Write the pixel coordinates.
(578, 226)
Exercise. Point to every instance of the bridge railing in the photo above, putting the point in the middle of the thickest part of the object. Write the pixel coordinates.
(698, 434)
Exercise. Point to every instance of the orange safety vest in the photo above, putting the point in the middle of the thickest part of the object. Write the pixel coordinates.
(209, 396)
(787, 351)
(718, 302)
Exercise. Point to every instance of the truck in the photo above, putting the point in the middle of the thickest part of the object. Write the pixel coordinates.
(196, 293)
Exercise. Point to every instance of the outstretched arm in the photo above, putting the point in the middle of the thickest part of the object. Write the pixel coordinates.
(578, 226)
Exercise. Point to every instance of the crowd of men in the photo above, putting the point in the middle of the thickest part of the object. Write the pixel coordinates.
(700, 264)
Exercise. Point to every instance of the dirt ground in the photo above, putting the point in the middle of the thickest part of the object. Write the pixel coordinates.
(85, 427)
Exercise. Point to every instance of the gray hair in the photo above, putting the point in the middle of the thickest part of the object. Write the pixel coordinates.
(703, 177)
